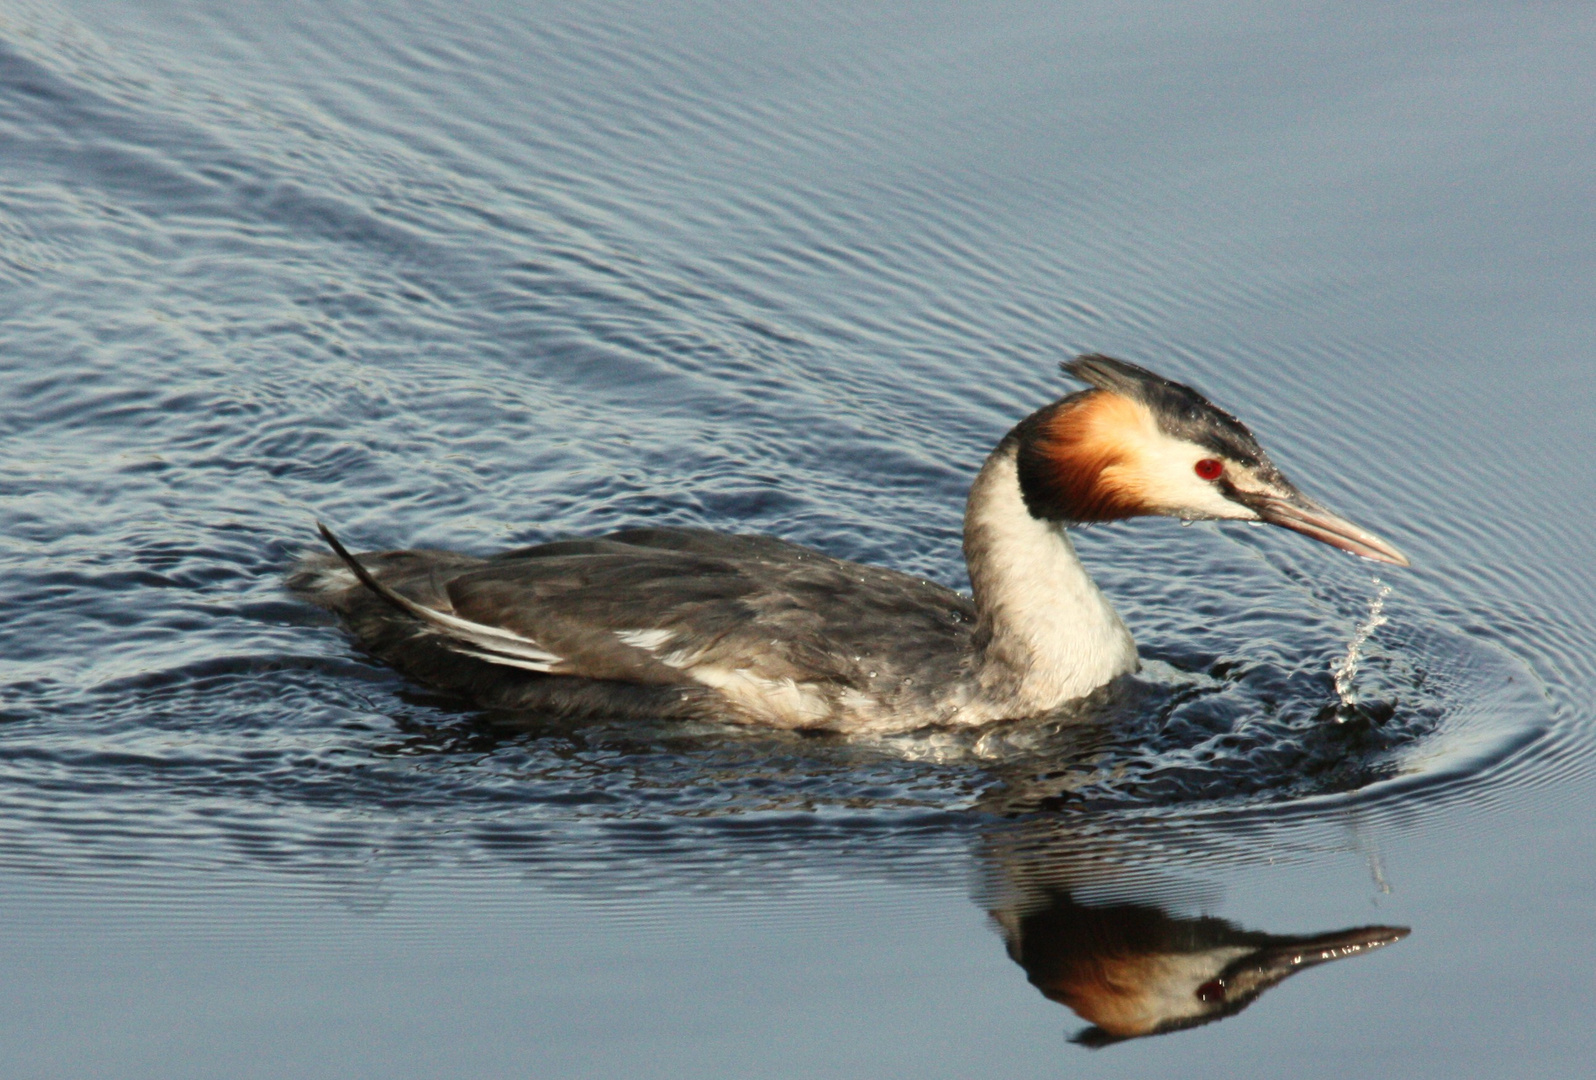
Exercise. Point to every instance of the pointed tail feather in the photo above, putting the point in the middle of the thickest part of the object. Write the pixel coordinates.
(503, 646)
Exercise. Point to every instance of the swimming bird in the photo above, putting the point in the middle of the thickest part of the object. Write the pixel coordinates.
(670, 622)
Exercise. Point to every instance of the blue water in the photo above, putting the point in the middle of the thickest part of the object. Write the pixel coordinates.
(481, 274)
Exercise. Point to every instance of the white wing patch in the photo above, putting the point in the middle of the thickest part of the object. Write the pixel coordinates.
(647, 640)
(510, 661)
(785, 702)
(489, 643)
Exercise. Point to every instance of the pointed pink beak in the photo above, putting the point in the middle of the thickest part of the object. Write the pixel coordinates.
(1301, 514)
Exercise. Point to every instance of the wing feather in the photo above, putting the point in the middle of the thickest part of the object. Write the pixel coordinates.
(771, 626)
(489, 642)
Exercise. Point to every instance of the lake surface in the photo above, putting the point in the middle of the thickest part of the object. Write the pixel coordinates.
(476, 275)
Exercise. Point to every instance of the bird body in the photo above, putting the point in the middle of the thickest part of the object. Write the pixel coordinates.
(752, 629)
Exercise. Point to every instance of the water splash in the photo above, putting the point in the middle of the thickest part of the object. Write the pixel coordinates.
(1345, 671)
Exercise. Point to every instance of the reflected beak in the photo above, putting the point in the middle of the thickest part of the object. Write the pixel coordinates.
(1301, 514)
(1256, 972)
(1279, 960)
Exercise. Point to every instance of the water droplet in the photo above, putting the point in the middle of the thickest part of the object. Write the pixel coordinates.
(1344, 671)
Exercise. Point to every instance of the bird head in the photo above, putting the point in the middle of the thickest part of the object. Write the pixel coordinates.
(1137, 444)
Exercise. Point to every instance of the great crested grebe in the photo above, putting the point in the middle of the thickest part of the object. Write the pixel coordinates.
(691, 623)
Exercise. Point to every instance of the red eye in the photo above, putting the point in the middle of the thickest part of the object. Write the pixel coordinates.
(1212, 990)
(1210, 468)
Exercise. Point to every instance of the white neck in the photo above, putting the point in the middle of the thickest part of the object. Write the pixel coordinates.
(1049, 633)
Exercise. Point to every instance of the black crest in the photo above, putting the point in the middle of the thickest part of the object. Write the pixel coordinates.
(1180, 411)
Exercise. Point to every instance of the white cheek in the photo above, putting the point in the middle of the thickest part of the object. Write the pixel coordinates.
(1169, 470)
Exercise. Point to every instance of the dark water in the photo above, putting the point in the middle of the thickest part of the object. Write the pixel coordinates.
(478, 275)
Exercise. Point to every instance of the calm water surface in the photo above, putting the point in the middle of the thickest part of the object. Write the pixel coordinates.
(483, 274)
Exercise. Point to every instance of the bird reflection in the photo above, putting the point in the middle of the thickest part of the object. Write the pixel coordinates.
(1093, 921)
(1132, 969)
(1087, 902)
